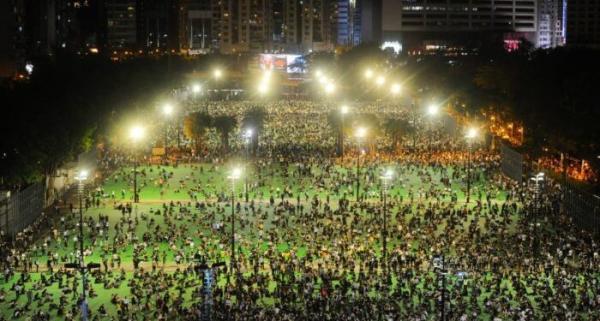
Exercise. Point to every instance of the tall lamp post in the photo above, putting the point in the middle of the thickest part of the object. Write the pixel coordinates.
(471, 135)
(385, 179)
(136, 134)
(81, 178)
(360, 134)
(235, 174)
(248, 141)
(343, 112)
(168, 112)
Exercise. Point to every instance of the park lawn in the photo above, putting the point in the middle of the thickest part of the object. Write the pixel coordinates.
(151, 203)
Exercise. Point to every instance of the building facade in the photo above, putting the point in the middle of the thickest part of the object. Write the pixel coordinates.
(551, 23)
(583, 23)
(121, 24)
(413, 22)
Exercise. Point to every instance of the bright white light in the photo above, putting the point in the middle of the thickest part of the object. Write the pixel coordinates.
(136, 133)
(196, 88)
(319, 73)
(168, 109)
(329, 88)
(249, 132)
(388, 174)
(471, 133)
(432, 110)
(369, 74)
(218, 73)
(82, 175)
(395, 89)
(29, 68)
(344, 110)
(394, 45)
(380, 81)
(263, 88)
(361, 132)
(236, 173)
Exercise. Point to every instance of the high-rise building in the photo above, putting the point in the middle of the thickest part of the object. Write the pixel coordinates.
(551, 23)
(348, 17)
(583, 23)
(121, 24)
(371, 24)
(254, 25)
(309, 25)
(200, 34)
(414, 22)
(158, 24)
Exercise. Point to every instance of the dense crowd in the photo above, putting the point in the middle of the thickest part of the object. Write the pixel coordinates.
(305, 248)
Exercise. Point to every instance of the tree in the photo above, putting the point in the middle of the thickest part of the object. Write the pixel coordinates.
(195, 127)
(224, 125)
(254, 118)
(395, 128)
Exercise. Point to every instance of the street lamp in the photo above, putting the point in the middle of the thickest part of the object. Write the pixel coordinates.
(329, 88)
(343, 111)
(248, 140)
(81, 178)
(360, 134)
(395, 89)
(470, 136)
(217, 73)
(385, 179)
(235, 174)
(380, 81)
(263, 88)
(369, 74)
(136, 134)
(196, 88)
(433, 110)
(168, 112)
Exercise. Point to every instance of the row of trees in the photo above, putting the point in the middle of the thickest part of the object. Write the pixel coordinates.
(196, 125)
(395, 128)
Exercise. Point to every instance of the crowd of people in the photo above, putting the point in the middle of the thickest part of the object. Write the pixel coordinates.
(307, 245)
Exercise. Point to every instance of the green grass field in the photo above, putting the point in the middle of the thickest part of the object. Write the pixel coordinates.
(196, 225)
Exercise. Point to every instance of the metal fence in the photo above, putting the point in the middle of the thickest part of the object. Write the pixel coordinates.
(584, 208)
(18, 209)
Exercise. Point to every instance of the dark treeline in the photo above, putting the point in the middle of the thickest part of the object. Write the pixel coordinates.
(553, 92)
(67, 106)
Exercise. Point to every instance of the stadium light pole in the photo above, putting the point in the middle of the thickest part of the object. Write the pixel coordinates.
(81, 178)
(385, 179)
(233, 176)
(136, 134)
(360, 134)
(343, 111)
(167, 112)
(471, 135)
(248, 141)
